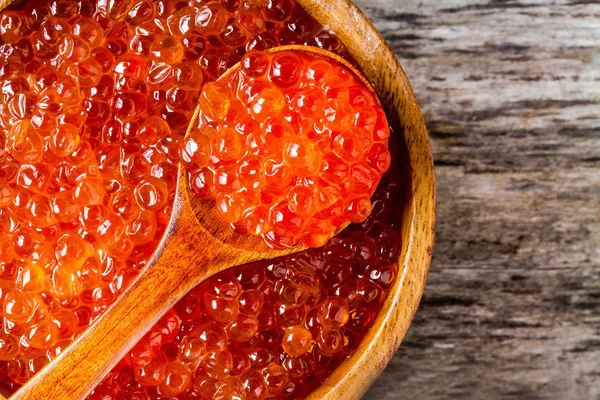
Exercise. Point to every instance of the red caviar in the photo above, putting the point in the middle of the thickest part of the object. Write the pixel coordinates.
(96, 97)
(291, 147)
(269, 330)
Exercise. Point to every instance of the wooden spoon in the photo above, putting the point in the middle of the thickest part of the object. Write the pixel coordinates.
(197, 245)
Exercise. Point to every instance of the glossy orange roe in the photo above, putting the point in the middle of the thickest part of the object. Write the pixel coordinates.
(291, 147)
(96, 97)
(269, 330)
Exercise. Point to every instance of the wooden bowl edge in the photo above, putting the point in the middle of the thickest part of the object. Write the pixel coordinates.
(354, 377)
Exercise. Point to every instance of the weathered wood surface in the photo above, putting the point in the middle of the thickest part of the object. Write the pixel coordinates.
(511, 95)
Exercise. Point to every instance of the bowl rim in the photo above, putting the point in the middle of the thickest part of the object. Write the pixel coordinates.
(351, 379)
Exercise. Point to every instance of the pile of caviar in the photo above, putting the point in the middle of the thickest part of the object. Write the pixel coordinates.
(96, 98)
(290, 147)
(269, 330)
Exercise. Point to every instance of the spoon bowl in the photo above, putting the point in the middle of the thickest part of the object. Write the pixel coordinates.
(197, 244)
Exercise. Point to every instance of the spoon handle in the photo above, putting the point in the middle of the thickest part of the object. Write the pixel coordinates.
(171, 273)
(195, 247)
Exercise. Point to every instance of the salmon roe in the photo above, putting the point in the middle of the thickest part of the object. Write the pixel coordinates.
(269, 330)
(290, 147)
(95, 102)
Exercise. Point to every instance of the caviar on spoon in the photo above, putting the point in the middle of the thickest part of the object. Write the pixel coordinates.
(291, 146)
(198, 242)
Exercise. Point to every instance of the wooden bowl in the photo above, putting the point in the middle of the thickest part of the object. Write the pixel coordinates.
(353, 378)
(379, 64)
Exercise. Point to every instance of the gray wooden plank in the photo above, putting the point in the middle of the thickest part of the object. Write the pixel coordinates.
(511, 94)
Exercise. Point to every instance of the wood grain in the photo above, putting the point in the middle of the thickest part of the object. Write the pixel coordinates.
(511, 96)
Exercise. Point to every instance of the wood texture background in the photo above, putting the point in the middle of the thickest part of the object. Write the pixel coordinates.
(511, 94)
